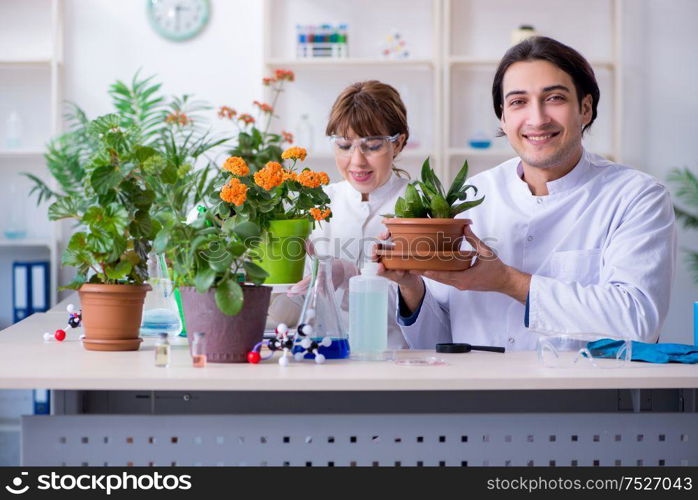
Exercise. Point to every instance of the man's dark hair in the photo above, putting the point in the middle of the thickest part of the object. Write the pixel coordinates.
(566, 58)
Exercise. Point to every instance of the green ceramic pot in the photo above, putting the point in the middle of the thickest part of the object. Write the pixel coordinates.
(283, 250)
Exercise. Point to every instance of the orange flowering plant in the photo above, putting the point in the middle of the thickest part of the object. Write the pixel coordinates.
(256, 185)
(274, 192)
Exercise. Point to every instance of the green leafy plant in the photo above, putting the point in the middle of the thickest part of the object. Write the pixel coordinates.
(426, 198)
(212, 252)
(112, 211)
(172, 126)
(687, 193)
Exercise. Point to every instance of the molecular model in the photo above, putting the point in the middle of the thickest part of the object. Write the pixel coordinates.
(394, 46)
(74, 321)
(285, 340)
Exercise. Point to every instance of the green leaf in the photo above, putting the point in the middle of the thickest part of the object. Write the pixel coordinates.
(440, 209)
(105, 178)
(169, 174)
(63, 208)
(162, 239)
(220, 261)
(229, 297)
(120, 271)
(414, 202)
(99, 242)
(204, 279)
(401, 208)
(254, 272)
(247, 230)
(457, 184)
(462, 207)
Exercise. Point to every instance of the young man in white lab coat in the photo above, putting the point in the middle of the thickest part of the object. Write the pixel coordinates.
(567, 241)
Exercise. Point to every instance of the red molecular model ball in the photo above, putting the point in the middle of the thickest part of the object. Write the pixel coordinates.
(253, 357)
(60, 335)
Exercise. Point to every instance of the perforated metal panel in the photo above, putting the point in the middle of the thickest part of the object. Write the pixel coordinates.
(362, 440)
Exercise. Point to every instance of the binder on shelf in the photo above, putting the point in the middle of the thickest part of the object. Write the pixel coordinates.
(30, 288)
(42, 401)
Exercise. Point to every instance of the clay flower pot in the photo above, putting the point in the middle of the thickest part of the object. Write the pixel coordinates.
(422, 235)
(111, 316)
(228, 338)
(425, 245)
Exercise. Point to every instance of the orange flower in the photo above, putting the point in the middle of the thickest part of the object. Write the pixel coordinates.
(178, 117)
(264, 108)
(268, 81)
(311, 179)
(288, 136)
(270, 176)
(289, 175)
(294, 154)
(226, 112)
(284, 74)
(234, 192)
(319, 214)
(246, 118)
(236, 166)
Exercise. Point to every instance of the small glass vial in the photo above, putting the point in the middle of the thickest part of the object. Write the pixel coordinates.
(162, 351)
(198, 350)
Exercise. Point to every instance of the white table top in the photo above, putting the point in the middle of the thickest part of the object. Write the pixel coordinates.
(26, 361)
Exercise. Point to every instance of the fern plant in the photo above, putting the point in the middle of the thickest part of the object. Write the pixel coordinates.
(687, 192)
(173, 127)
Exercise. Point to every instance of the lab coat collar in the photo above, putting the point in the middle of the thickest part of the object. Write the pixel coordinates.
(573, 179)
(378, 195)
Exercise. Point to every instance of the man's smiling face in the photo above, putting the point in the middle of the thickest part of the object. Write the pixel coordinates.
(541, 115)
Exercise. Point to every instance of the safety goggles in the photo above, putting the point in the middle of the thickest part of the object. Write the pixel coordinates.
(369, 146)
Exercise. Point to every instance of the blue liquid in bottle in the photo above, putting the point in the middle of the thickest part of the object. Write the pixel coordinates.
(339, 349)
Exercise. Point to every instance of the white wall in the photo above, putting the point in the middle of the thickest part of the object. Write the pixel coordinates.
(107, 39)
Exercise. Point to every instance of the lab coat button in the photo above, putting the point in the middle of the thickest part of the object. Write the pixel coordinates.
(539, 201)
(530, 238)
(511, 340)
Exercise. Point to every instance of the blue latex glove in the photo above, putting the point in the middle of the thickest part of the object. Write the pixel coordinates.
(642, 351)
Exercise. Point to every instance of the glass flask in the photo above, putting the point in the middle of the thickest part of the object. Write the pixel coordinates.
(160, 311)
(320, 311)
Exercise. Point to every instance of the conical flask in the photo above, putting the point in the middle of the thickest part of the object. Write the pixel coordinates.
(160, 311)
(320, 311)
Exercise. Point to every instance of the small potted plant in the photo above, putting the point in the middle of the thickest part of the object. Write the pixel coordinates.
(424, 231)
(282, 200)
(115, 233)
(218, 281)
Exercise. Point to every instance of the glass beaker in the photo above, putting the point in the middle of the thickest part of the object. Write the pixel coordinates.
(320, 311)
(160, 311)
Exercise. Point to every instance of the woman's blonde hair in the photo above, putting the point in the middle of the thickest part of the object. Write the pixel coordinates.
(369, 108)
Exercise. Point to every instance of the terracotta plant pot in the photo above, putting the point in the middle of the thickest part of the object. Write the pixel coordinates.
(111, 316)
(423, 235)
(228, 338)
(426, 261)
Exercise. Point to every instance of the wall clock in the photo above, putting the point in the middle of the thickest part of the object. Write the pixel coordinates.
(178, 20)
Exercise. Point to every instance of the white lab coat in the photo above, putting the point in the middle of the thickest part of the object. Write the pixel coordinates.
(601, 248)
(352, 232)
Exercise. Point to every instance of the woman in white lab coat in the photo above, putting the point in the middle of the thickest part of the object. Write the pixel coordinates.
(368, 129)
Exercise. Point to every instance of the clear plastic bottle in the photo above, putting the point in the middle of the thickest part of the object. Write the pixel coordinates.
(304, 133)
(198, 350)
(368, 314)
(13, 138)
(162, 351)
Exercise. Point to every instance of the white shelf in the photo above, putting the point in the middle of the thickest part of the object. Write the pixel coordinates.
(23, 63)
(10, 425)
(343, 62)
(21, 153)
(25, 242)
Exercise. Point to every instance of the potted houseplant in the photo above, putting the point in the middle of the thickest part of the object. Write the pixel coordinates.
(424, 231)
(218, 281)
(171, 126)
(282, 201)
(687, 192)
(115, 233)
